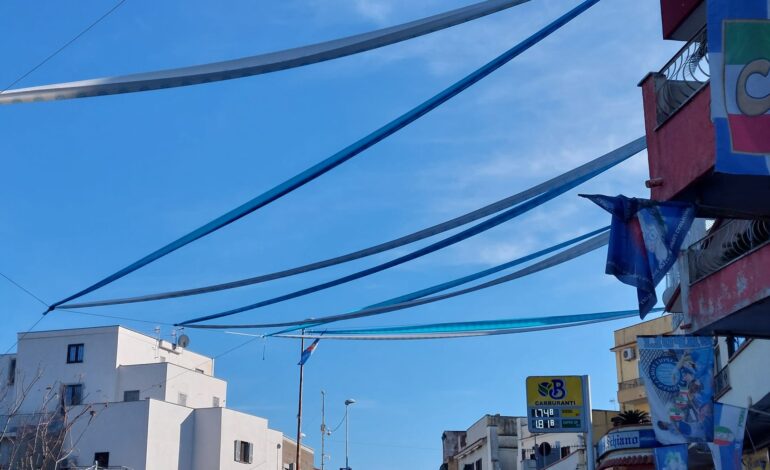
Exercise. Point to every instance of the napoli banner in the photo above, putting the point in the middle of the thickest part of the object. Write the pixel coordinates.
(671, 457)
(678, 377)
(729, 426)
(739, 58)
(645, 239)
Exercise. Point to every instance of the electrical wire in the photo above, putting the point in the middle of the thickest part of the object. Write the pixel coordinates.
(66, 44)
(31, 294)
(260, 64)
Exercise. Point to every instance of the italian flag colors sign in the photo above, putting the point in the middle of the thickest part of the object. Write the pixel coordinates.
(739, 57)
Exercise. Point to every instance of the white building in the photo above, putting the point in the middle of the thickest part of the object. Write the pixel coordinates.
(141, 403)
(490, 444)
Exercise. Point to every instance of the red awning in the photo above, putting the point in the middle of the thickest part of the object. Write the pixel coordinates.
(645, 461)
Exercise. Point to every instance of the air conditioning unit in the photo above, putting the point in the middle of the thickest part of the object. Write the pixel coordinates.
(629, 354)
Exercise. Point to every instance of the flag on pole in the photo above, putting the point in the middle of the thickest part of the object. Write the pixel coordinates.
(645, 239)
(729, 427)
(308, 352)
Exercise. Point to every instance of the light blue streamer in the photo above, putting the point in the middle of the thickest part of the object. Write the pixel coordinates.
(340, 157)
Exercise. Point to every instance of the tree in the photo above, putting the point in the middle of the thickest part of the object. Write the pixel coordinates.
(41, 440)
(628, 417)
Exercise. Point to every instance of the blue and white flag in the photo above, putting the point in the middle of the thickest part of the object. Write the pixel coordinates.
(729, 427)
(308, 352)
(645, 239)
(671, 457)
(678, 373)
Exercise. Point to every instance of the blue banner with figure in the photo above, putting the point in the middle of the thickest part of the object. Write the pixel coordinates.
(679, 380)
(729, 427)
(671, 457)
(645, 239)
(739, 59)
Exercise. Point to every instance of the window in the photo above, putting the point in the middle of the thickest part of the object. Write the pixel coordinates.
(131, 395)
(734, 344)
(215, 402)
(243, 451)
(182, 399)
(468, 466)
(565, 451)
(12, 371)
(478, 464)
(75, 353)
(102, 459)
(73, 394)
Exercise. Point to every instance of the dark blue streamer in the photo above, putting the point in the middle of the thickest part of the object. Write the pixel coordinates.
(340, 157)
(465, 234)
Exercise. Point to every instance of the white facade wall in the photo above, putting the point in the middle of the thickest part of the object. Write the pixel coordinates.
(154, 433)
(748, 382)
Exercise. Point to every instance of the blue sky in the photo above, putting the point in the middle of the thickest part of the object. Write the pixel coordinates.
(90, 185)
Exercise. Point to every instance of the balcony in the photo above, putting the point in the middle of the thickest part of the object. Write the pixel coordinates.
(728, 286)
(721, 382)
(681, 144)
(681, 18)
(632, 393)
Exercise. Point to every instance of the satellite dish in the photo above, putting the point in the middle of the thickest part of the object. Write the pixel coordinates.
(183, 341)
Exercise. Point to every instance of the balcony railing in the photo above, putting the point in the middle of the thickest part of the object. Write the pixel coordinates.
(732, 240)
(721, 382)
(683, 76)
(633, 383)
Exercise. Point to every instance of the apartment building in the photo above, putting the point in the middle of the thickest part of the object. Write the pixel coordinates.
(127, 400)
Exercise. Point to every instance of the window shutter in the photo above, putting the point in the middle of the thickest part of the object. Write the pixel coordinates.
(251, 452)
(237, 451)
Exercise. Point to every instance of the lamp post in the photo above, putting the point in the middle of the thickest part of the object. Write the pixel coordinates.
(348, 402)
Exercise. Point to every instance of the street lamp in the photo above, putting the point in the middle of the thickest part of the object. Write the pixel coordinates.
(348, 402)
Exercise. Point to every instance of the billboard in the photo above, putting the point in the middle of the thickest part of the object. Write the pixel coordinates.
(739, 58)
(557, 404)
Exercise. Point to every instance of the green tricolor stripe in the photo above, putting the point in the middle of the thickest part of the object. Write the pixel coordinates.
(746, 40)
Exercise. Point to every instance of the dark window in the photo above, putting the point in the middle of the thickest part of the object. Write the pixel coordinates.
(565, 451)
(243, 451)
(468, 466)
(102, 459)
(131, 395)
(75, 353)
(73, 394)
(478, 464)
(734, 343)
(215, 402)
(182, 399)
(12, 372)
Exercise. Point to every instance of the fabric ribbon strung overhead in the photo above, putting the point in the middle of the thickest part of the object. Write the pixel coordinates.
(340, 157)
(259, 64)
(644, 241)
(605, 161)
(566, 255)
(449, 241)
(468, 329)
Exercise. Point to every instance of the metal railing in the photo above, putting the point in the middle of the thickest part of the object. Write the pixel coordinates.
(683, 76)
(732, 240)
(633, 383)
(721, 381)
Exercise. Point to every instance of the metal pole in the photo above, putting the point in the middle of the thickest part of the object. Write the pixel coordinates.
(347, 466)
(590, 457)
(299, 411)
(323, 428)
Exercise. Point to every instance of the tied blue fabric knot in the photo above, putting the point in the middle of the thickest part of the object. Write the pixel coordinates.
(645, 238)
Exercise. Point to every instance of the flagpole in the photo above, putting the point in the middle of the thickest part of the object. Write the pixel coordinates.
(299, 411)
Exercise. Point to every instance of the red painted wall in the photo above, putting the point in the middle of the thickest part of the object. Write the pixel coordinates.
(682, 149)
(673, 12)
(738, 285)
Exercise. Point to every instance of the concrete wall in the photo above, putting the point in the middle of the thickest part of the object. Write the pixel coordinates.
(129, 421)
(289, 455)
(137, 348)
(748, 369)
(243, 427)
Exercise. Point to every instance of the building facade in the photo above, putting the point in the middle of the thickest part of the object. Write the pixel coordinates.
(128, 400)
(631, 392)
(490, 444)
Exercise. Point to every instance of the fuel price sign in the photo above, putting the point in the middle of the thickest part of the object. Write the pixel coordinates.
(557, 404)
